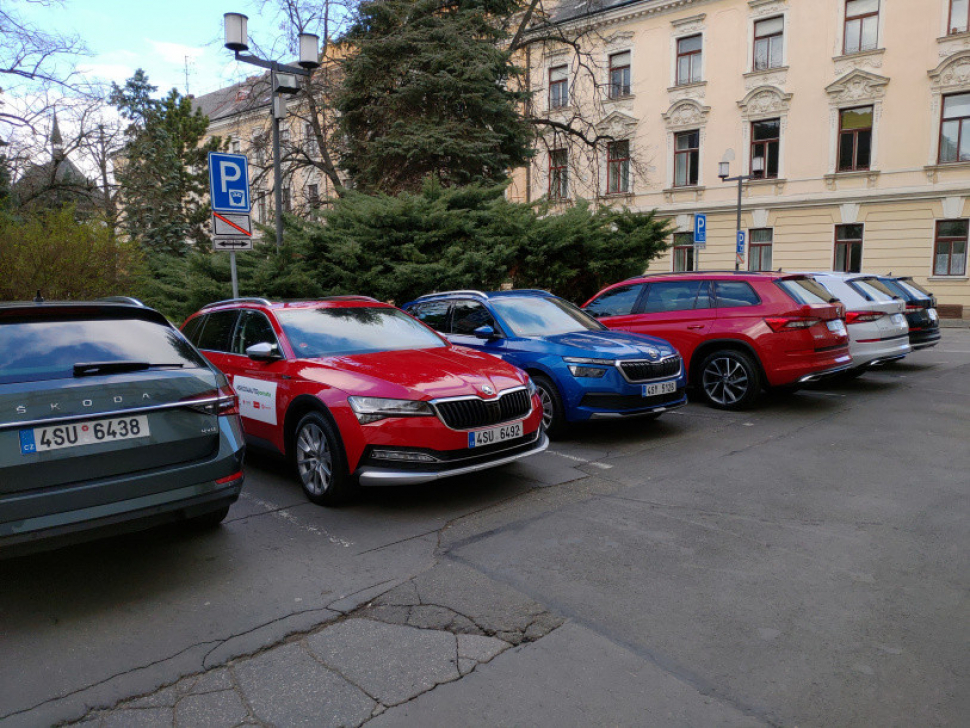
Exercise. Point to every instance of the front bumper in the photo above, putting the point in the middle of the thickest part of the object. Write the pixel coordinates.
(378, 475)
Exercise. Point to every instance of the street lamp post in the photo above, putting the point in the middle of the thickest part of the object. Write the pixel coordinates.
(283, 81)
(724, 171)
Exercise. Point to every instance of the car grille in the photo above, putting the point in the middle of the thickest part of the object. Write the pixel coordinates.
(467, 414)
(642, 371)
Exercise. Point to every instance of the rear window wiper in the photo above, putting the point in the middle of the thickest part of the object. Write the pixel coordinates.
(88, 369)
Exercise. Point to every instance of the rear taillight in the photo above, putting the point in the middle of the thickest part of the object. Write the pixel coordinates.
(219, 402)
(234, 478)
(863, 317)
(914, 307)
(787, 323)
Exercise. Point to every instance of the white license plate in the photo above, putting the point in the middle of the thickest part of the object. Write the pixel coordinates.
(934, 316)
(836, 326)
(493, 435)
(652, 390)
(41, 439)
(898, 319)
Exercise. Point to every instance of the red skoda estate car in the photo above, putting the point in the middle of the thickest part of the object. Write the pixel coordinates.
(737, 332)
(356, 392)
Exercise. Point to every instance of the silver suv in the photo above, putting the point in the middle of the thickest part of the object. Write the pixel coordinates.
(109, 420)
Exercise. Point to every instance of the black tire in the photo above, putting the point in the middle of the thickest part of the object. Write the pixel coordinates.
(553, 414)
(729, 380)
(317, 458)
(207, 521)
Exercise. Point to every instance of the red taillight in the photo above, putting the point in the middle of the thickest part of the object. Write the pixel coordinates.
(914, 307)
(219, 402)
(863, 317)
(787, 323)
(230, 478)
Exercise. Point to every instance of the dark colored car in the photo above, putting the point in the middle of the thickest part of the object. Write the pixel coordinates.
(356, 392)
(109, 421)
(737, 332)
(921, 315)
(583, 371)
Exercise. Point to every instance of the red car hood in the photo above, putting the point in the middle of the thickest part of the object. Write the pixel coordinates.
(420, 374)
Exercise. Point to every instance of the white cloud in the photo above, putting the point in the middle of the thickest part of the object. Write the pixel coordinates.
(176, 52)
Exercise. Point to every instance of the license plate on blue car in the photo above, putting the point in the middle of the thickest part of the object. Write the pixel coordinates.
(658, 388)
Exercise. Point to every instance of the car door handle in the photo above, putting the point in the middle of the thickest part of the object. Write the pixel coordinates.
(696, 326)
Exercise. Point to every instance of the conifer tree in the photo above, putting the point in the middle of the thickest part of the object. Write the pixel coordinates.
(427, 93)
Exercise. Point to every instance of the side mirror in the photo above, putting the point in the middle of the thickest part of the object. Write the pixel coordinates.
(264, 351)
(484, 332)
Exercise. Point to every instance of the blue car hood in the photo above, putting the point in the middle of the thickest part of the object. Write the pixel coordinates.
(609, 344)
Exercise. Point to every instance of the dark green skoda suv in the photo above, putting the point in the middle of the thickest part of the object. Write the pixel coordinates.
(110, 421)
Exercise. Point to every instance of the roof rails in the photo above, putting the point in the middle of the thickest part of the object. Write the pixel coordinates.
(122, 299)
(526, 291)
(261, 301)
(350, 298)
(453, 293)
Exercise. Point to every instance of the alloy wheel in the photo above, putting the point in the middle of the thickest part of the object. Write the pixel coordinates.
(725, 381)
(314, 460)
(548, 407)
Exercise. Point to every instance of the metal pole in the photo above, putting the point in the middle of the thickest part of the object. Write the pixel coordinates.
(277, 174)
(737, 263)
(235, 278)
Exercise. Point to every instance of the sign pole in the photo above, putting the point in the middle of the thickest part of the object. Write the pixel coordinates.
(235, 278)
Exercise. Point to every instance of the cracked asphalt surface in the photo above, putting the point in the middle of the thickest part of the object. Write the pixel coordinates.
(803, 564)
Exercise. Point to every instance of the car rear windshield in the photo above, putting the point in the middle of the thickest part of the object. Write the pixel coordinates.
(38, 349)
(872, 289)
(320, 332)
(806, 290)
(534, 316)
(915, 287)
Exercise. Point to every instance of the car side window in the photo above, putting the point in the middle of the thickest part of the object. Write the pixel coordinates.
(468, 316)
(218, 327)
(734, 294)
(253, 328)
(664, 296)
(192, 329)
(433, 314)
(617, 301)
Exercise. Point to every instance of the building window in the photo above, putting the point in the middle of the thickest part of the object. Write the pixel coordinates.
(861, 25)
(689, 57)
(950, 254)
(955, 129)
(558, 87)
(769, 43)
(959, 16)
(261, 205)
(855, 139)
(312, 148)
(236, 147)
(558, 174)
(759, 251)
(683, 252)
(848, 248)
(687, 155)
(286, 199)
(618, 167)
(284, 136)
(313, 195)
(620, 75)
(765, 143)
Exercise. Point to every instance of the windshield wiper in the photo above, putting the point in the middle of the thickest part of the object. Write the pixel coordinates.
(88, 369)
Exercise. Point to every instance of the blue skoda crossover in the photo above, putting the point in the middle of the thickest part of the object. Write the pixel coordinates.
(582, 369)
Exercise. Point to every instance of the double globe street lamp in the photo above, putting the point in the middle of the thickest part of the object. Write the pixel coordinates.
(283, 82)
(757, 172)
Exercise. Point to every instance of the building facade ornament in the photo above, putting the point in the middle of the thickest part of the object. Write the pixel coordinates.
(617, 125)
(953, 73)
(856, 86)
(619, 40)
(765, 102)
(859, 61)
(686, 114)
(686, 26)
(763, 8)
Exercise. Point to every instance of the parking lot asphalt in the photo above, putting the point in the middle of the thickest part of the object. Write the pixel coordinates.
(802, 564)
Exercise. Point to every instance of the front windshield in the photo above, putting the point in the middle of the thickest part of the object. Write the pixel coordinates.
(320, 332)
(534, 316)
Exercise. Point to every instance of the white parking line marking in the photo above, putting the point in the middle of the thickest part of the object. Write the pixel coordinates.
(584, 461)
(281, 512)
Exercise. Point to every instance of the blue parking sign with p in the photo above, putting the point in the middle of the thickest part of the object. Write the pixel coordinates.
(700, 228)
(229, 182)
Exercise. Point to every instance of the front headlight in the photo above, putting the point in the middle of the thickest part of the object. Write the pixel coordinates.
(577, 368)
(372, 409)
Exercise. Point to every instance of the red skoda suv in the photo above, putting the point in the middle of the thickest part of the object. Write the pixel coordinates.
(356, 392)
(737, 332)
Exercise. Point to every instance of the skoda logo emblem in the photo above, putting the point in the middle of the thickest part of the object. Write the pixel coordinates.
(653, 353)
(488, 390)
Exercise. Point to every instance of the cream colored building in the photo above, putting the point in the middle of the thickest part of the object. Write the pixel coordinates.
(859, 111)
